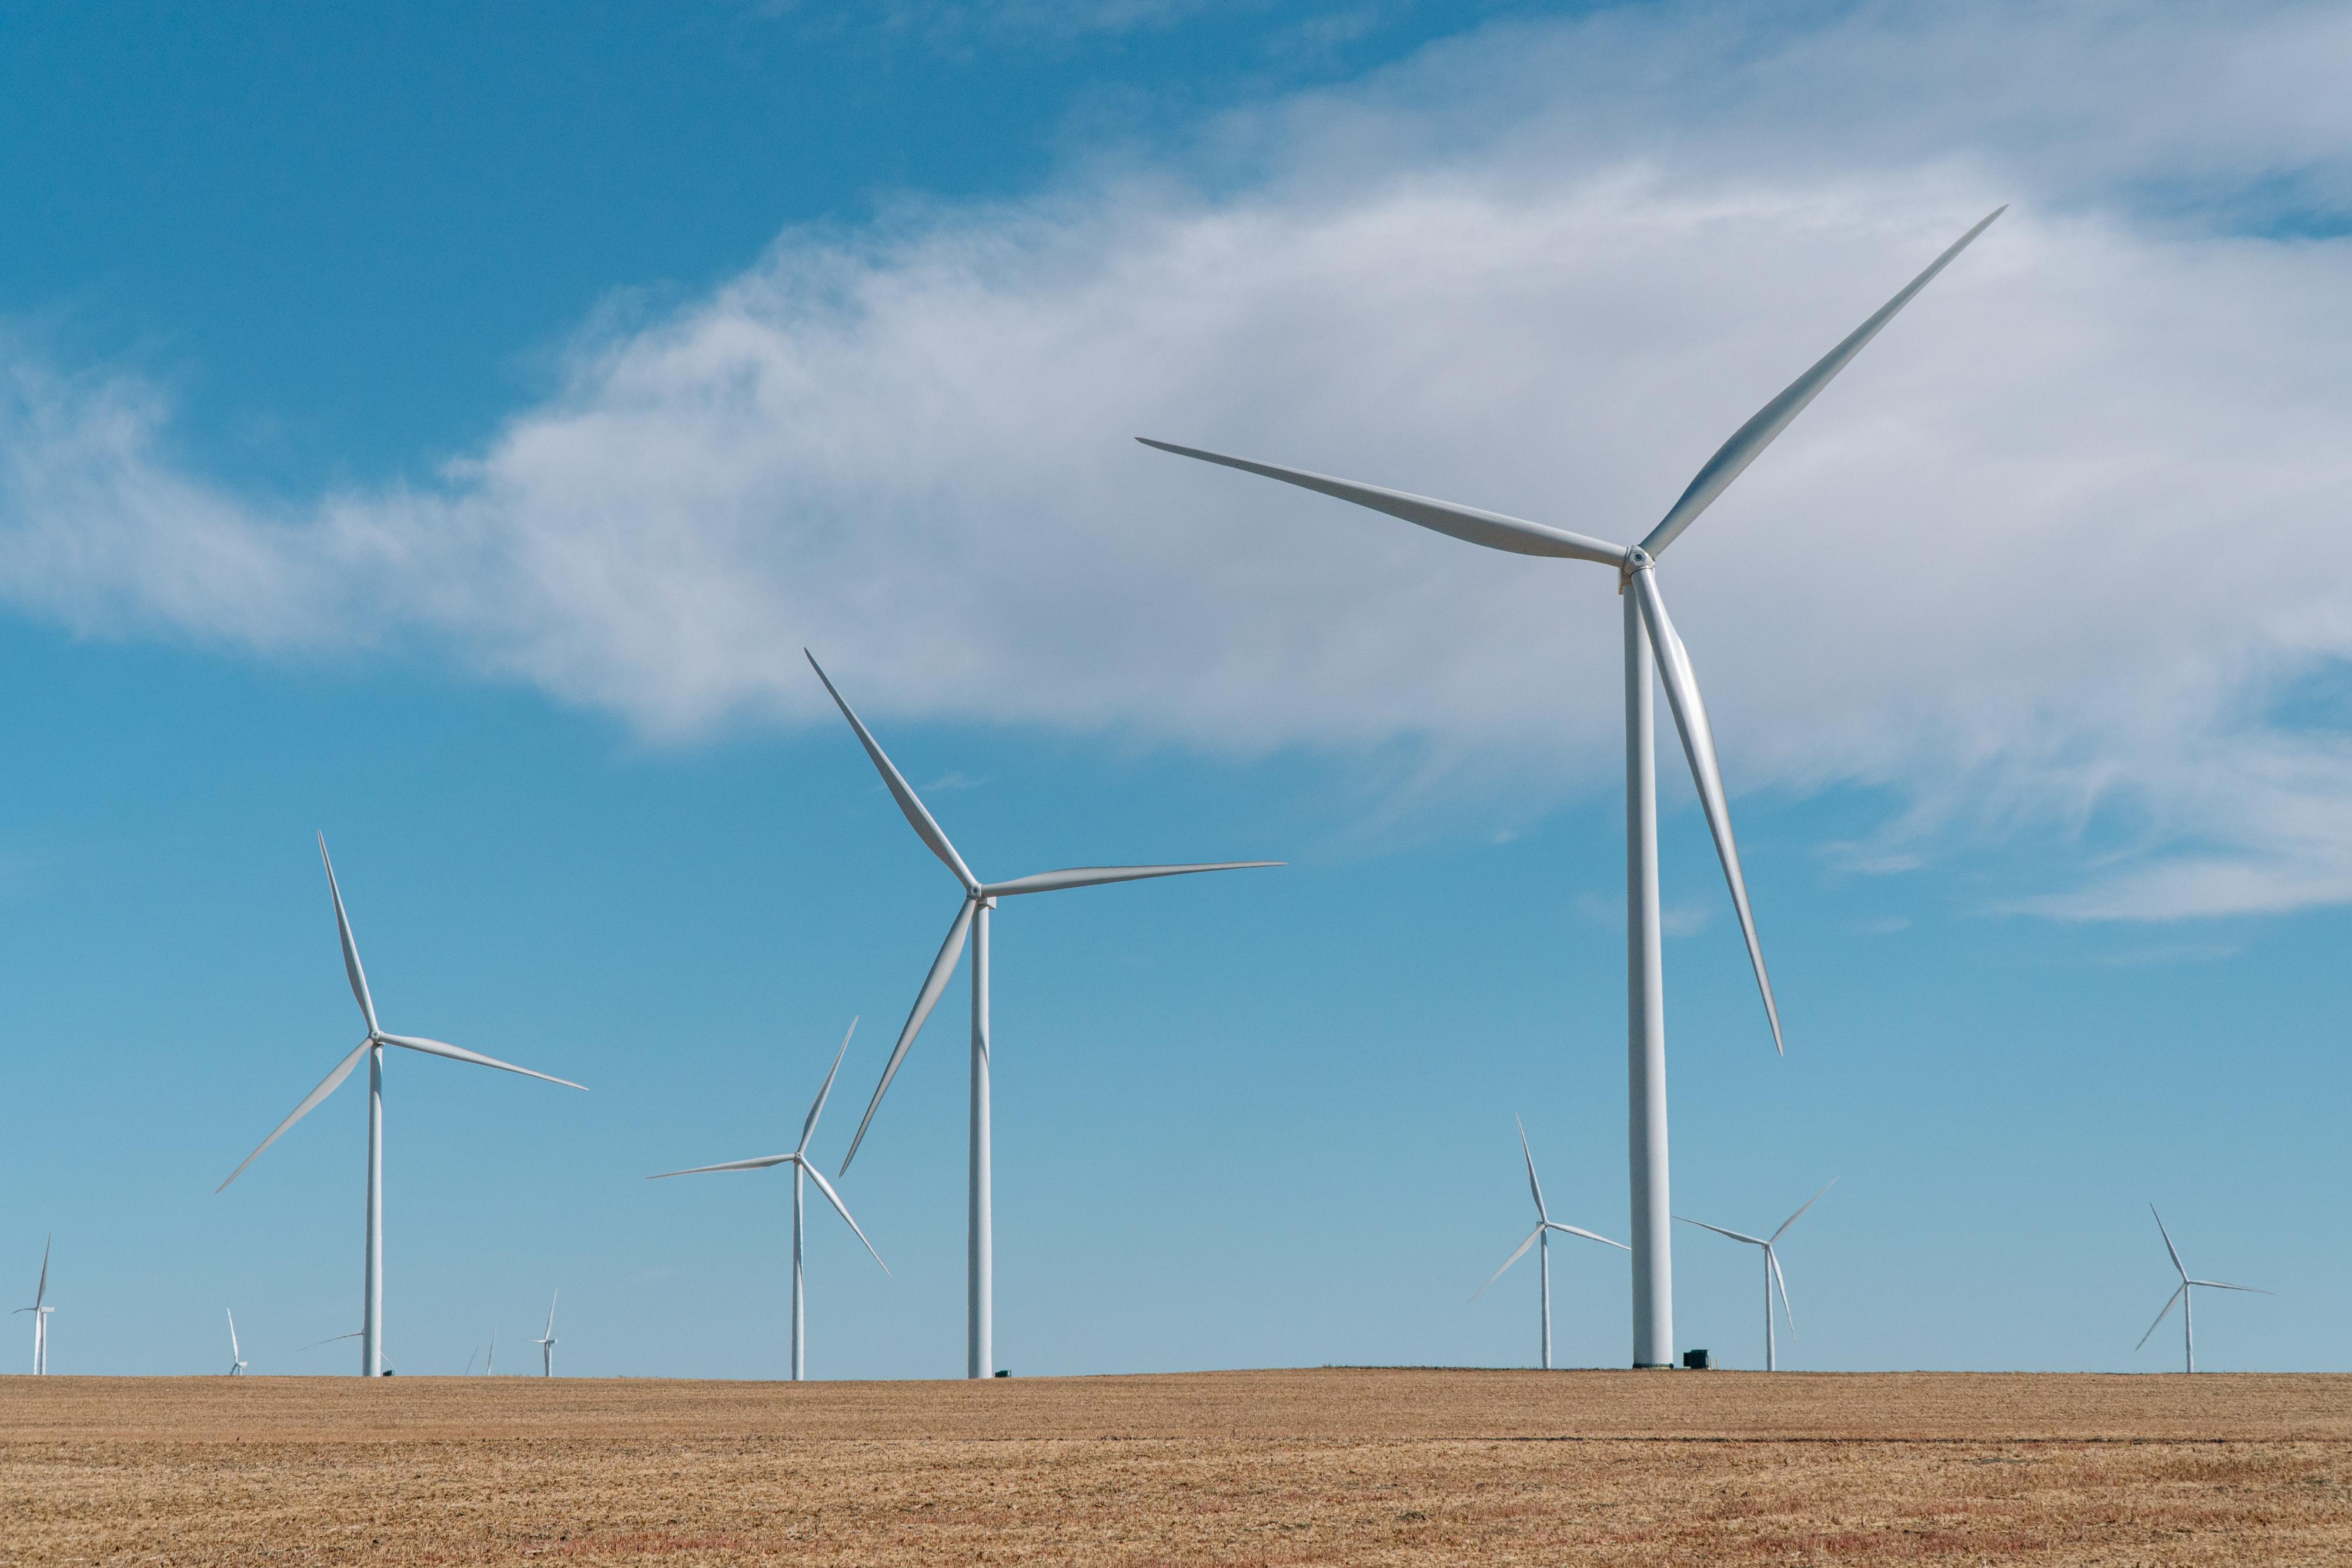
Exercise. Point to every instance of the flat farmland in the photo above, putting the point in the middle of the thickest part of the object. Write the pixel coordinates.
(1246, 1467)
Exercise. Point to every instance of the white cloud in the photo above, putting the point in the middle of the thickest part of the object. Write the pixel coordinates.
(2040, 557)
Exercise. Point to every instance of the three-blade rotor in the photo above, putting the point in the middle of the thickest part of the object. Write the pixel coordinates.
(2180, 1291)
(799, 1156)
(1544, 1221)
(1637, 564)
(376, 1035)
(977, 895)
(1771, 1252)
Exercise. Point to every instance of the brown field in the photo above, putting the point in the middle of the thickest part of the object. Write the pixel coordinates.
(1246, 1467)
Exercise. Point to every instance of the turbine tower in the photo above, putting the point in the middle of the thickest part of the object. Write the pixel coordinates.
(972, 919)
(1540, 1238)
(371, 1334)
(1648, 631)
(1772, 1275)
(2184, 1295)
(546, 1342)
(802, 1169)
(41, 1310)
(235, 1357)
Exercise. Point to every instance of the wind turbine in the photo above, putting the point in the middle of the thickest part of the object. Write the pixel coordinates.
(41, 1310)
(546, 1342)
(370, 1333)
(2184, 1295)
(1540, 1238)
(972, 919)
(1772, 1275)
(1648, 631)
(235, 1357)
(798, 1159)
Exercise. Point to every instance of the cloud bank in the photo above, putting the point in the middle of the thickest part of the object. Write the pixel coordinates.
(2051, 553)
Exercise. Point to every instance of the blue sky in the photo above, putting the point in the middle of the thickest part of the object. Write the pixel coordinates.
(447, 436)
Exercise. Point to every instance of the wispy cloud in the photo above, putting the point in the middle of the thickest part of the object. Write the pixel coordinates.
(2034, 564)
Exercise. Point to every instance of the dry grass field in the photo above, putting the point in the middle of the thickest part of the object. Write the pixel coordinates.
(1338, 1466)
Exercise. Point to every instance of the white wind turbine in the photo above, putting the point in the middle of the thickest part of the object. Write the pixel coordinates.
(546, 1342)
(235, 1357)
(801, 1168)
(1772, 1275)
(1647, 630)
(972, 919)
(371, 1334)
(2184, 1296)
(1540, 1238)
(41, 1310)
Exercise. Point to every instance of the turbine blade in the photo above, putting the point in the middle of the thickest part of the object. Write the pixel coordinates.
(1093, 875)
(933, 984)
(1801, 1207)
(551, 1316)
(2178, 1267)
(840, 1208)
(333, 1081)
(351, 970)
(1514, 1258)
(1534, 1187)
(314, 1344)
(1719, 1230)
(233, 1352)
(761, 1163)
(2225, 1285)
(1492, 529)
(917, 816)
(2169, 1302)
(41, 1293)
(808, 1128)
(1698, 746)
(1587, 1235)
(1773, 1258)
(459, 1053)
(1749, 440)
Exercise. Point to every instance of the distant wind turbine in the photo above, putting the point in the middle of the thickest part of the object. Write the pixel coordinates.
(798, 1159)
(972, 919)
(371, 1334)
(41, 1310)
(1772, 1275)
(2184, 1297)
(1648, 631)
(1540, 1238)
(235, 1357)
(546, 1342)
(490, 1367)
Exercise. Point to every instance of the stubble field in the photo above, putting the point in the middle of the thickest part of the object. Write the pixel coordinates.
(1248, 1468)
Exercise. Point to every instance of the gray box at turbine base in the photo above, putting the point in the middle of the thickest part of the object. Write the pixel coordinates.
(1695, 1361)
